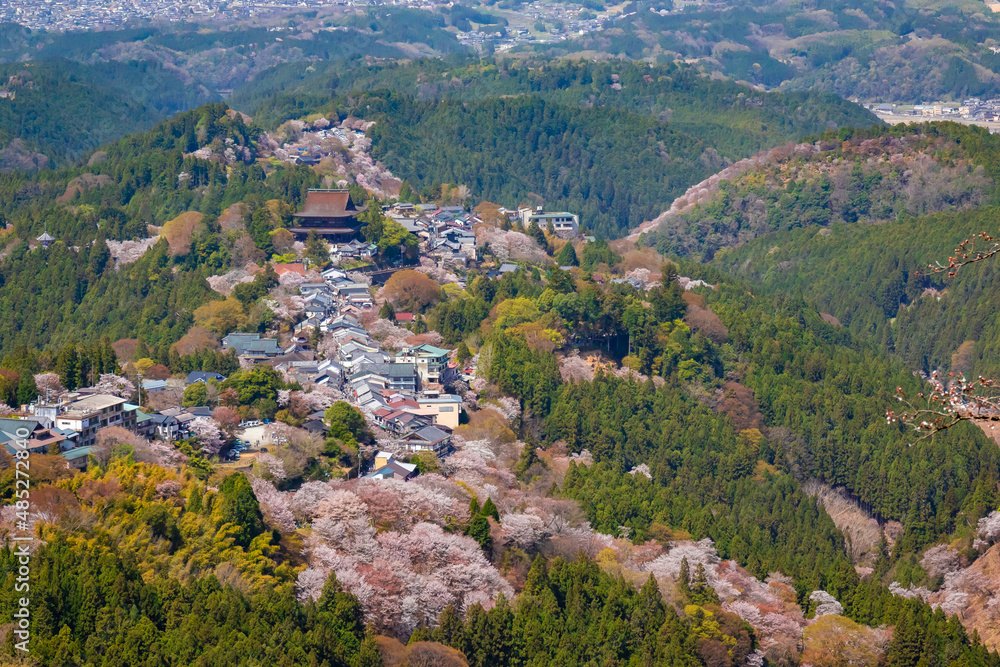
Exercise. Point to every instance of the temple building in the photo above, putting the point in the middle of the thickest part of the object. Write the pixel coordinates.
(329, 213)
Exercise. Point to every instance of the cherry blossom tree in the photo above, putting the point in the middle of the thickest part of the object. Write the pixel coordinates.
(143, 450)
(168, 489)
(227, 418)
(49, 386)
(989, 526)
(641, 469)
(826, 604)
(274, 505)
(509, 245)
(305, 502)
(940, 560)
(574, 368)
(284, 396)
(509, 407)
(270, 466)
(522, 530)
(208, 434)
(949, 401)
(127, 252)
(910, 592)
(115, 385)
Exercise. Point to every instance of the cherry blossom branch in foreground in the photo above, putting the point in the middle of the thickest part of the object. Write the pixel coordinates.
(947, 404)
(968, 252)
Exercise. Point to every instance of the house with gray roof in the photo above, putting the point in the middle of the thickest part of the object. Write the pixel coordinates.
(427, 439)
(251, 345)
(398, 377)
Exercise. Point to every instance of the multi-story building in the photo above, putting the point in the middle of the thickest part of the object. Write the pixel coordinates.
(85, 415)
(562, 222)
(431, 362)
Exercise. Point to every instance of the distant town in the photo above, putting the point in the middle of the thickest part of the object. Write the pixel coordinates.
(559, 20)
(970, 111)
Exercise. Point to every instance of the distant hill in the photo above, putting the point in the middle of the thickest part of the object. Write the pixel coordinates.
(63, 111)
(223, 58)
(613, 141)
(850, 224)
(898, 52)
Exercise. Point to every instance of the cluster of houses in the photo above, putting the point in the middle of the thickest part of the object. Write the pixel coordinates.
(446, 232)
(67, 426)
(403, 390)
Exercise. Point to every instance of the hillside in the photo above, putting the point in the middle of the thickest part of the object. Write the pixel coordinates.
(902, 53)
(223, 57)
(655, 131)
(866, 177)
(64, 111)
(837, 222)
(476, 441)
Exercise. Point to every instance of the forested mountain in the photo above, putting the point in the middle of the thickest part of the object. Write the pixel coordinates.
(65, 110)
(902, 53)
(654, 131)
(78, 90)
(77, 289)
(223, 57)
(851, 225)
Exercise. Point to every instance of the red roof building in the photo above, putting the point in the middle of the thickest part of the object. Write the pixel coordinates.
(282, 269)
(329, 213)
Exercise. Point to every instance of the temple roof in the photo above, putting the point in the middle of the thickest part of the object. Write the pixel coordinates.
(329, 204)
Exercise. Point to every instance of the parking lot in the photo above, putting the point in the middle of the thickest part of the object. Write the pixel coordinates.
(252, 440)
(253, 435)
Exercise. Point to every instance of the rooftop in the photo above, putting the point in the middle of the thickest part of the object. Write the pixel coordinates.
(94, 403)
(328, 204)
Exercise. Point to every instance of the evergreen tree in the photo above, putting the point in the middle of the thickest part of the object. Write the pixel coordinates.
(684, 577)
(490, 510)
(238, 506)
(535, 232)
(567, 256)
(317, 250)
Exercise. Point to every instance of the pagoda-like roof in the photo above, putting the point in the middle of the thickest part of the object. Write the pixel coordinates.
(329, 204)
(45, 237)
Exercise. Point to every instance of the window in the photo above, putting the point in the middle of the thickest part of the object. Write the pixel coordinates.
(447, 408)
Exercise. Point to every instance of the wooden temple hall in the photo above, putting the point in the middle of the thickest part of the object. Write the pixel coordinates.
(329, 213)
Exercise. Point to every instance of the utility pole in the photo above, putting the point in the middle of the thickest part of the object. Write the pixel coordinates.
(138, 385)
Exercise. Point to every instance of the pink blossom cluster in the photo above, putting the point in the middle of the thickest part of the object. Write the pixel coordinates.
(270, 466)
(49, 386)
(274, 505)
(641, 469)
(208, 434)
(126, 252)
(989, 527)
(574, 368)
(385, 542)
(115, 385)
(509, 408)
(287, 308)
(509, 245)
(940, 560)
(225, 283)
